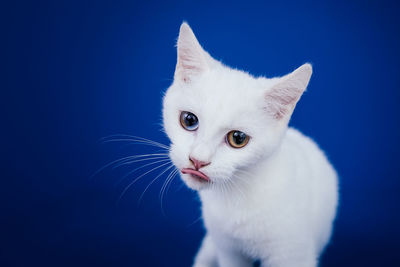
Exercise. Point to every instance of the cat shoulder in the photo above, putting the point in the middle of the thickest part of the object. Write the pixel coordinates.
(301, 142)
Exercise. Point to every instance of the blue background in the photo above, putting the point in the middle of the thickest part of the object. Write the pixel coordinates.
(74, 72)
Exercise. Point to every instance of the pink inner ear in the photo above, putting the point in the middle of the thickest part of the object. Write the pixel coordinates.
(191, 58)
(283, 96)
(277, 112)
(281, 100)
(189, 65)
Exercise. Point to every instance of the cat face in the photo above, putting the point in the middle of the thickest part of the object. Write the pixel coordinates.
(221, 120)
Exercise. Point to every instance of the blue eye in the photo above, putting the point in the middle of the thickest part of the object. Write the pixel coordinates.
(189, 121)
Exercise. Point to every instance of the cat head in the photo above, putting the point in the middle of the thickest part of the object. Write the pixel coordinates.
(222, 120)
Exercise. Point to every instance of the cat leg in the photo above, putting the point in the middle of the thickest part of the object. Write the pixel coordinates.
(207, 254)
(289, 256)
(232, 258)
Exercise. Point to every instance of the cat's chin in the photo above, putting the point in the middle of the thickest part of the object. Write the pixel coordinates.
(194, 182)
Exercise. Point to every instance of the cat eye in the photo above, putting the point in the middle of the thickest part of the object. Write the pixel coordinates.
(189, 121)
(237, 139)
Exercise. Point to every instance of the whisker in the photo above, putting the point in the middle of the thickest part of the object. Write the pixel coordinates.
(238, 188)
(163, 191)
(165, 182)
(244, 172)
(122, 160)
(241, 179)
(138, 168)
(127, 162)
(141, 196)
(131, 138)
(136, 179)
(134, 141)
(222, 187)
(170, 177)
(108, 165)
(125, 135)
(195, 221)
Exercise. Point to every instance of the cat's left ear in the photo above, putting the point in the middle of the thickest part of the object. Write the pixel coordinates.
(284, 95)
(192, 59)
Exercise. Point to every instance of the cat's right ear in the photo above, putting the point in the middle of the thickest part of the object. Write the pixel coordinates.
(283, 96)
(191, 56)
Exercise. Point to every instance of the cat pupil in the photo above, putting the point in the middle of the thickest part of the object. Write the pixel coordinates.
(190, 119)
(239, 137)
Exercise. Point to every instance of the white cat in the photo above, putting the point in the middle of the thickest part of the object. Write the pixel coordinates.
(267, 191)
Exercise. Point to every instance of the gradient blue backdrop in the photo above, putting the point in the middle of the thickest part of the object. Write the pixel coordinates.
(75, 71)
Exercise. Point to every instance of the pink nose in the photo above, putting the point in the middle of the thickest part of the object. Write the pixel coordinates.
(197, 163)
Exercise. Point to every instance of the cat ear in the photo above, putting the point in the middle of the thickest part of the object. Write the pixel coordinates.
(283, 96)
(191, 56)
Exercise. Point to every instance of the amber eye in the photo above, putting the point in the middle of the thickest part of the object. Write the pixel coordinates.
(237, 139)
(189, 121)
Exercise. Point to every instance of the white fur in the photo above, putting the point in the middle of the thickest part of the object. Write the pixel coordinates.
(274, 199)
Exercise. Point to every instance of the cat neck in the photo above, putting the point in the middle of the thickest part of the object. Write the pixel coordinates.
(246, 185)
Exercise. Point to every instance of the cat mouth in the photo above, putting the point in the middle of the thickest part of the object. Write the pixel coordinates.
(198, 175)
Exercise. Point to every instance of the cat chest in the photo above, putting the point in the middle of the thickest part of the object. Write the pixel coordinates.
(238, 223)
(239, 231)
